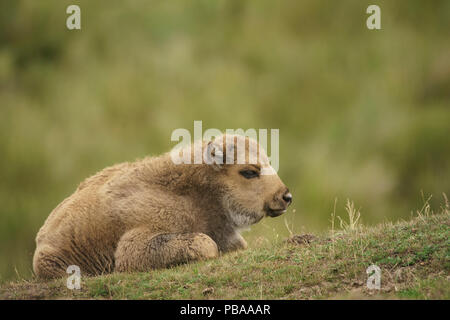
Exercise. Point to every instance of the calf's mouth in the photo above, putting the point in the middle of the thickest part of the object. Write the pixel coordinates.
(274, 212)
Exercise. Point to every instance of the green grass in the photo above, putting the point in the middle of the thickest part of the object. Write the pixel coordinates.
(413, 255)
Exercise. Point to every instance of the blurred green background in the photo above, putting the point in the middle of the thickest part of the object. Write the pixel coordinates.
(362, 114)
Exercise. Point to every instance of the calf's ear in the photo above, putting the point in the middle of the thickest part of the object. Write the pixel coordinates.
(217, 152)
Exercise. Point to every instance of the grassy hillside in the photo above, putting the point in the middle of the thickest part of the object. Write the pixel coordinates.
(413, 255)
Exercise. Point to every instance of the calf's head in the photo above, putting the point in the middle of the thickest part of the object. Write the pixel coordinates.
(251, 187)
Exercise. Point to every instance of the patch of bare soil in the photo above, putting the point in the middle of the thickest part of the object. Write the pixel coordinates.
(27, 291)
(302, 239)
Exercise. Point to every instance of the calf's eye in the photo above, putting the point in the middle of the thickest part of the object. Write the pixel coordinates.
(249, 174)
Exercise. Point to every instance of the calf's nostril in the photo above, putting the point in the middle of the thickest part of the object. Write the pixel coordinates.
(287, 197)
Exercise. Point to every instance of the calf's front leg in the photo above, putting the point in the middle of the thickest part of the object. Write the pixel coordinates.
(141, 250)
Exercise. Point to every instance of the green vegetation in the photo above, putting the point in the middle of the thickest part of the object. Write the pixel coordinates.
(413, 255)
(362, 114)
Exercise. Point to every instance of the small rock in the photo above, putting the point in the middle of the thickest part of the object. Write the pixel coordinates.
(208, 291)
(301, 239)
(357, 283)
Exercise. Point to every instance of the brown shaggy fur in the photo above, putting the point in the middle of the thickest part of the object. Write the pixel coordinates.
(153, 213)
